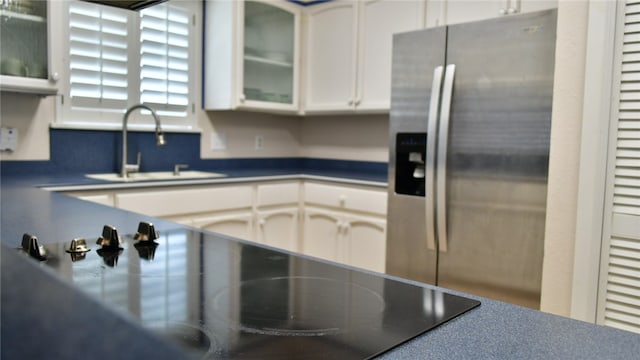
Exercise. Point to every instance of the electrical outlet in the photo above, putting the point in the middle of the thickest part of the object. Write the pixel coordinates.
(218, 141)
(259, 142)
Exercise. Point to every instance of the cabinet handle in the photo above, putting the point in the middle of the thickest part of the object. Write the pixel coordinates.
(350, 103)
(55, 76)
(511, 10)
(342, 200)
(261, 222)
(502, 12)
(242, 98)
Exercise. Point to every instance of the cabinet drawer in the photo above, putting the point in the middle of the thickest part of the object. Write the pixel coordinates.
(370, 201)
(184, 201)
(278, 194)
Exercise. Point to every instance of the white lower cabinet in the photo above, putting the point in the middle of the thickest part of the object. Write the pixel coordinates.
(104, 199)
(239, 225)
(343, 237)
(346, 224)
(322, 230)
(342, 223)
(365, 240)
(278, 228)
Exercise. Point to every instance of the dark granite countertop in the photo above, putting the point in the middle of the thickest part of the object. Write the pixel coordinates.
(42, 317)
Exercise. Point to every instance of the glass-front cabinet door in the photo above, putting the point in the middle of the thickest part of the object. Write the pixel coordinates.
(24, 47)
(251, 55)
(269, 38)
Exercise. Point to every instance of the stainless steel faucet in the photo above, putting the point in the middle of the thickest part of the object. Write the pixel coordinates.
(129, 168)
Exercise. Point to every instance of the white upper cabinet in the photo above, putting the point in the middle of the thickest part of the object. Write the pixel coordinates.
(330, 57)
(348, 53)
(27, 63)
(448, 12)
(251, 55)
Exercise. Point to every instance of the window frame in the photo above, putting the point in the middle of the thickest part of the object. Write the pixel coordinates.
(95, 119)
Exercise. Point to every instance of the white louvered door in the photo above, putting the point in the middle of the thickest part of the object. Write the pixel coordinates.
(619, 295)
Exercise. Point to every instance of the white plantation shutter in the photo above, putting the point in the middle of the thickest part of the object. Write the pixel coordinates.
(98, 59)
(620, 298)
(164, 59)
(119, 58)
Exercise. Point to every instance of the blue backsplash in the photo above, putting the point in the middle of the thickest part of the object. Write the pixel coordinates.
(91, 151)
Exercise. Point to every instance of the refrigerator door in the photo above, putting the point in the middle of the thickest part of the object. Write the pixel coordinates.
(416, 57)
(497, 161)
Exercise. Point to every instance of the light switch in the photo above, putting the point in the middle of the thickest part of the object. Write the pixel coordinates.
(8, 139)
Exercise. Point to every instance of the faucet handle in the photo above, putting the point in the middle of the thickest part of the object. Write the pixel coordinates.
(178, 167)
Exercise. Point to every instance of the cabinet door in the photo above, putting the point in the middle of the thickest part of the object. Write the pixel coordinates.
(165, 202)
(459, 11)
(322, 231)
(269, 54)
(524, 6)
(331, 56)
(378, 21)
(251, 55)
(365, 242)
(104, 199)
(26, 34)
(278, 228)
(236, 225)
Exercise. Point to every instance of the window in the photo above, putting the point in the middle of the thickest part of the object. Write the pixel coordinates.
(118, 58)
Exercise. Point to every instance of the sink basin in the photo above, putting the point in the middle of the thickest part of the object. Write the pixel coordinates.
(157, 175)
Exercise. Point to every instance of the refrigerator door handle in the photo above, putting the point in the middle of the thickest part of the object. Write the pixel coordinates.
(441, 165)
(430, 157)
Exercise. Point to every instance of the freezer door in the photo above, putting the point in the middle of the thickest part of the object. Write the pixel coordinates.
(497, 161)
(416, 57)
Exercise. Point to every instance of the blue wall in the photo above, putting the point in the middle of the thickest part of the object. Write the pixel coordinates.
(91, 151)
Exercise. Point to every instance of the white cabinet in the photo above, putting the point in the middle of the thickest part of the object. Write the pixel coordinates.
(238, 225)
(341, 236)
(224, 209)
(330, 57)
(251, 55)
(322, 230)
(348, 53)
(278, 228)
(365, 242)
(342, 223)
(167, 201)
(28, 63)
(447, 12)
(277, 215)
(345, 224)
(98, 197)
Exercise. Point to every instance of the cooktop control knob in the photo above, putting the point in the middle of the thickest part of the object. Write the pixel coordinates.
(109, 239)
(30, 246)
(146, 232)
(78, 246)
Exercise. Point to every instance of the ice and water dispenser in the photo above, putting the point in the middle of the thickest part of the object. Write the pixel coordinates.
(410, 163)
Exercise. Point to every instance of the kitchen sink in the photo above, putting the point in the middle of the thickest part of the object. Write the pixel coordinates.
(157, 175)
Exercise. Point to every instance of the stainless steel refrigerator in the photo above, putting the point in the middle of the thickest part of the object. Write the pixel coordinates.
(469, 149)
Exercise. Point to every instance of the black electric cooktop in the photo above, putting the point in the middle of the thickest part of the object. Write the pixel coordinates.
(222, 299)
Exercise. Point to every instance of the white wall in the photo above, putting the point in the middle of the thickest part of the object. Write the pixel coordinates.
(564, 157)
(362, 137)
(31, 115)
(281, 134)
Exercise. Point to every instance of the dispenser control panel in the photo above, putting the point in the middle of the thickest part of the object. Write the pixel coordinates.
(410, 163)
